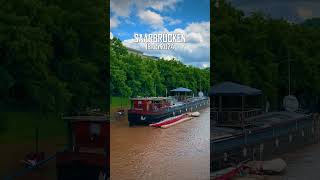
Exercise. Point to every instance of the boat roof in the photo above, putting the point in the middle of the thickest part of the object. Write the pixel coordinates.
(233, 89)
(181, 89)
(150, 98)
(86, 118)
(273, 118)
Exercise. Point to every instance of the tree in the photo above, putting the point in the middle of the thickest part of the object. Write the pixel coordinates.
(52, 54)
(135, 75)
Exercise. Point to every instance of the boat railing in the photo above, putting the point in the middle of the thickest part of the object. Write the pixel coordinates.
(149, 111)
(229, 115)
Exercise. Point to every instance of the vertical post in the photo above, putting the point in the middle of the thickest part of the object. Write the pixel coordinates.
(242, 109)
(121, 101)
(220, 103)
(289, 76)
(217, 4)
(220, 109)
(70, 135)
(107, 153)
(37, 138)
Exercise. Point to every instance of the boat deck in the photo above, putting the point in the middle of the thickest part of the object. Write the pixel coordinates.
(222, 132)
(271, 119)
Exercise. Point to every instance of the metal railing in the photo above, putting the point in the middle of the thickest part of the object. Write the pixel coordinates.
(229, 115)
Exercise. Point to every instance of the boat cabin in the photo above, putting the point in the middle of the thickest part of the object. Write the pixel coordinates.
(181, 93)
(233, 103)
(88, 131)
(88, 152)
(149, 104)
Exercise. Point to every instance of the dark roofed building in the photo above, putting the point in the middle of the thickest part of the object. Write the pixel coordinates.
(134, 51)
(152, 57)
(140, 53)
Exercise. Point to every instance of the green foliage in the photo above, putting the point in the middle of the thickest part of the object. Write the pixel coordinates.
(314, 22)
(52, 54)
(119, 102)
(19, 127)
(134, 75)
(254, 49)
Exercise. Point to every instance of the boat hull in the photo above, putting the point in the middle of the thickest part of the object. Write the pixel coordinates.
(146, 119)
(263, 143)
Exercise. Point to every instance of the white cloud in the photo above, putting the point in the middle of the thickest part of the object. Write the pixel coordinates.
(195, 37)
(159, 5)
(152, 18)
(205, 65)
(123, 9)
(304, 12)
(127, 21)
(120, 7)
(199, 33)
(111, 35)
(114, 22)
(172, 21)
(195, 51)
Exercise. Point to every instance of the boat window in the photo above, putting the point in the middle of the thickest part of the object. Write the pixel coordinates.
(94, 129)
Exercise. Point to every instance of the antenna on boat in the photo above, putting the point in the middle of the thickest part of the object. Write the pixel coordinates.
(289, 74)
(121, 101)
(217, 4)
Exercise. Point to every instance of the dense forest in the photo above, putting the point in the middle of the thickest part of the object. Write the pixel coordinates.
(134, 75)
(255, 50)
(53, 54)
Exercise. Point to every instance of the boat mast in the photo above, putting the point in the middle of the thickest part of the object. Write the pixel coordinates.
(289, 75)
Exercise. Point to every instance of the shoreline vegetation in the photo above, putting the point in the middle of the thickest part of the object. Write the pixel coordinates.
(53, 61)
(119, 102)
(137, 75)
(20, 126)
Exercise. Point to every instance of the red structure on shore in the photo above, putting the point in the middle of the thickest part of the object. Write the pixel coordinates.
(87, 156)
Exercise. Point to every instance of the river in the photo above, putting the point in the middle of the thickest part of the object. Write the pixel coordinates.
(179, 152)
(303, 163)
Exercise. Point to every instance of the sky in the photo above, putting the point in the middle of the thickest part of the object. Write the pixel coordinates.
(189, 17)
(291, 10)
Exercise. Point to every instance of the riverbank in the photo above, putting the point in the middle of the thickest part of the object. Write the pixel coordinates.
(118, 104)
(13, 154)
(17, 138)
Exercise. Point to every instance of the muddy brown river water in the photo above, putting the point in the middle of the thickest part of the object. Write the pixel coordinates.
(179, 152)
(303, 164)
